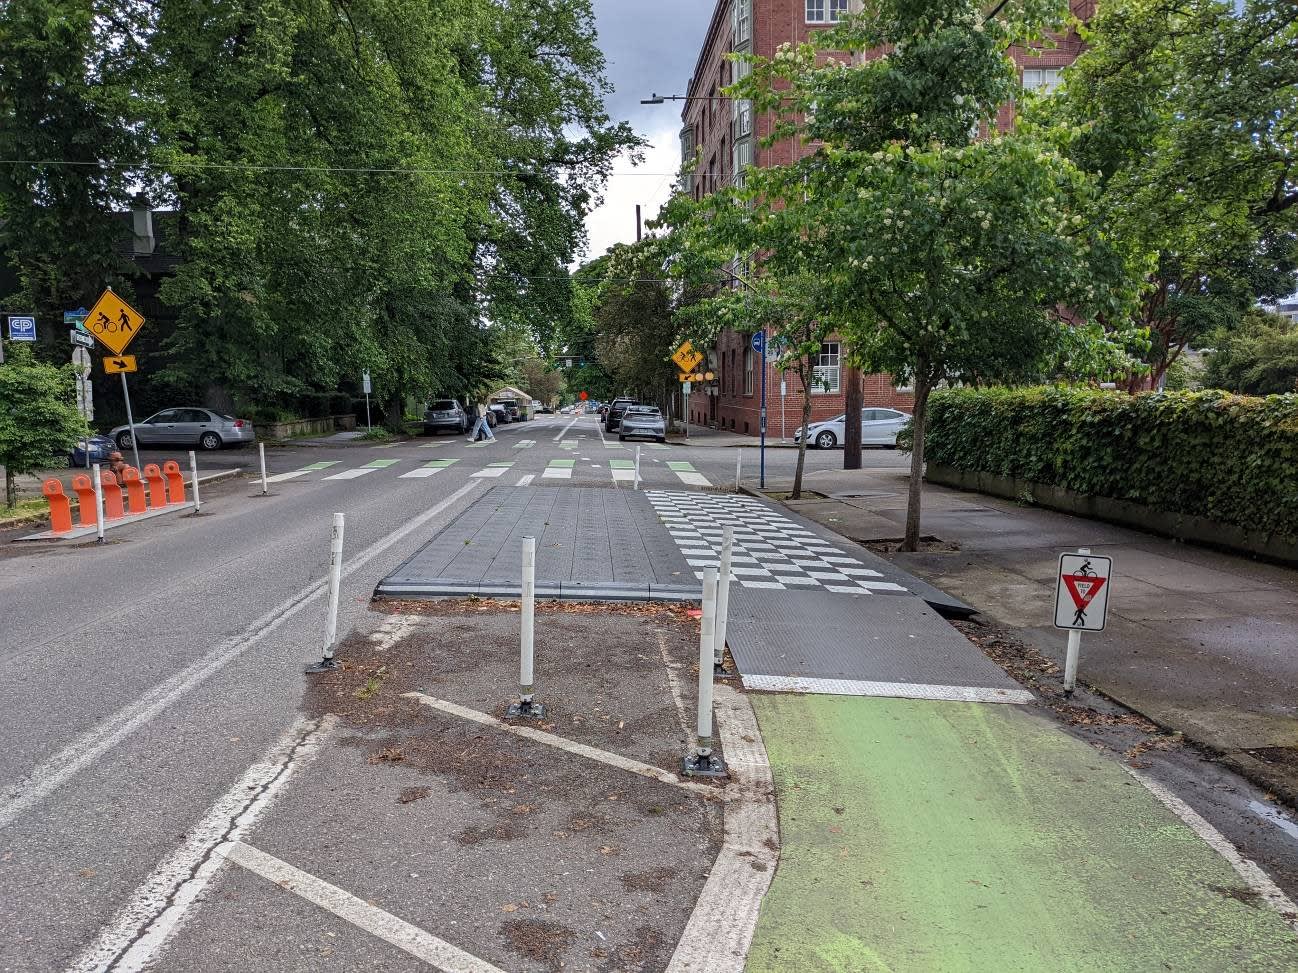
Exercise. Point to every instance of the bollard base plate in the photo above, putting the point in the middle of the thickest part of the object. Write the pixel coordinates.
(695, 765)
(721, 672)
(529, 710)
(324, 665)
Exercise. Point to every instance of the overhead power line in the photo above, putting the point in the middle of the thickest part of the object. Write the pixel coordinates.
(359, 170)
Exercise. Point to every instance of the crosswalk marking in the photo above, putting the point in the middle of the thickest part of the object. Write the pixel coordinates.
(432, 445)
(428, 469)
(525, 444)
(686, 473)
(281, 477)
(370, 467)
(493, 471)
(623, 469)
(568, 444)
(559, 469)
(526, 480)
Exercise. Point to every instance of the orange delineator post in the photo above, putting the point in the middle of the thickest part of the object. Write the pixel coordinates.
(113, 509)
(60, 507)
(86, 500)
(175, 482)
(157, 486)
(134, 491)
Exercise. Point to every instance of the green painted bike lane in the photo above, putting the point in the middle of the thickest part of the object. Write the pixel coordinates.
(927, 836)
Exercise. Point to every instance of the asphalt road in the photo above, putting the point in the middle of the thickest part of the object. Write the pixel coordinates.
(144, 676)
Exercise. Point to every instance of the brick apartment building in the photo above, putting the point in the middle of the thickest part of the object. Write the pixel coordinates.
(725, 138)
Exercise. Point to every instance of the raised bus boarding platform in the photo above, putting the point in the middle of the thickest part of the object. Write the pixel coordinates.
(810, 612)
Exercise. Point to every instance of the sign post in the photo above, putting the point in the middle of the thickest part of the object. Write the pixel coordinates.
(85, 390)
(759, 346)
(114, 324)
(365, 384)
(1081, 603)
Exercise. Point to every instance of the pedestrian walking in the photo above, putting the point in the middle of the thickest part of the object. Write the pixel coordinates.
(482, 426)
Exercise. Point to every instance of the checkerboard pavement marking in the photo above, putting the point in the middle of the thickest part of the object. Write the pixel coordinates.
(771, 551)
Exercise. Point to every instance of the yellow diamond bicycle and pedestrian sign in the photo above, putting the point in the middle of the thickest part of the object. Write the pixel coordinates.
(687, 358)
(113, 322)
(119, 363)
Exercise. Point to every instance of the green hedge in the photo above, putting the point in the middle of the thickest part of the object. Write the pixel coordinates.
(1230, 458)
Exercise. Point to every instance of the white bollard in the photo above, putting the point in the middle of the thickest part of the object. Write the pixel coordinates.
(637, 466)
(193, 475)
(527, 705)
(702, 762)
(99, 504)
(739, 467)
(723, 598)
(261, 452)
(1074, 651)
(335, 586)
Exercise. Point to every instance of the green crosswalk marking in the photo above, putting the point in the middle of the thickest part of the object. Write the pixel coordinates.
(565, 464)
(621, 464)
(680, 467)
(657, 446)
(439, 464)
(381, 464)
(322, 466)
(501, 465)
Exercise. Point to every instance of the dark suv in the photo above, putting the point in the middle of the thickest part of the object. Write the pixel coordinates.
(615, 410)
(445, 415)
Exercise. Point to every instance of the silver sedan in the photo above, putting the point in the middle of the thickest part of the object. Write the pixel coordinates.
(643, 422)
(187, 427)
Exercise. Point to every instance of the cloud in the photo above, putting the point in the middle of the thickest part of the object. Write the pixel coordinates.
(648, 184)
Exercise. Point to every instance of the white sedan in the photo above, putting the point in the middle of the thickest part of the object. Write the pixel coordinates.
(879, 427)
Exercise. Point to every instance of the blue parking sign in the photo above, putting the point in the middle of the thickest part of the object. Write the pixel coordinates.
(759, 341)
(22, 327)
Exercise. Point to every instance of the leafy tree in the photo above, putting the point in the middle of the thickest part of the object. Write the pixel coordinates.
(938, 257)
(39, 420)
(1260, 357)
(65, 109)
(1189, 113)
(541, 380)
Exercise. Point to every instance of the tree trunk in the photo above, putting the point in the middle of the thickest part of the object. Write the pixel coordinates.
(918, 429)
(802, 440)
(852, 404)
(11, 489)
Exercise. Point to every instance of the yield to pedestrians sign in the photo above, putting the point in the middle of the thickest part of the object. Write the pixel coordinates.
(1082, 594)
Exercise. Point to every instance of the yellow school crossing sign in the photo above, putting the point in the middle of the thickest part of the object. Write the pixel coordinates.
(113, 322)
(687, 358)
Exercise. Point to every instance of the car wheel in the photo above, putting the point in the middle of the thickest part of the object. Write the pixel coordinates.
(661, 439)
(826, 440)
(123, 440)
(621, 438)
(209, 441)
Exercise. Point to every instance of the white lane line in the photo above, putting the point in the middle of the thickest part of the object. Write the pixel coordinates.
(560, 743)
(720, 929)
(422, 945)
(564, 431)
(1245, 868)
(159, 906)
(526, 480)
(89, 746)
(281, 477)
(422, 472)
(1268, 813)
(491, 472)
(892, 690)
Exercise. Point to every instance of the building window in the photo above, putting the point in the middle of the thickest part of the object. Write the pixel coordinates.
(741, 109)
(743, 159)
(826, 11)
(1044, 80)
(827, 373)
(748, 371)
(742, 21)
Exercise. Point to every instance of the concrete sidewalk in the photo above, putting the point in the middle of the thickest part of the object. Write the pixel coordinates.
(922, 836)
(1199, 641)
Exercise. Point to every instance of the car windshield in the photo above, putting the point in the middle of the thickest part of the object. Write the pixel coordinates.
(443, 405)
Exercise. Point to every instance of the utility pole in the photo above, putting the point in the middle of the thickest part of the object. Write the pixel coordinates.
(639, 227)
(852, 403)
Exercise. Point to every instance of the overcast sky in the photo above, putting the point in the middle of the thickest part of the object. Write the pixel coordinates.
(649, 47)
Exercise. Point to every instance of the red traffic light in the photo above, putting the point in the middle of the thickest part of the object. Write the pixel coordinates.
(584, 396)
